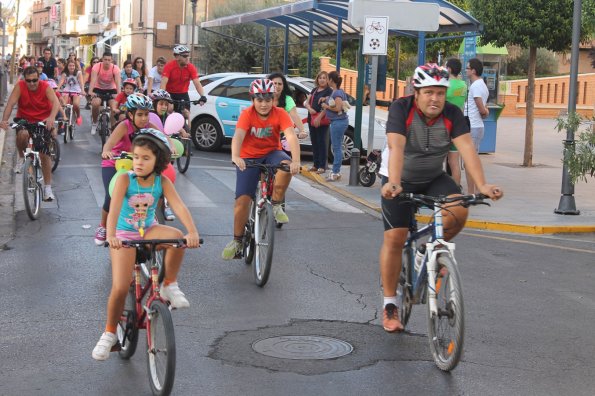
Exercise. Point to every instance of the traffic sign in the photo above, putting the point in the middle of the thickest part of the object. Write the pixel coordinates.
(403, 15)
(375, 35)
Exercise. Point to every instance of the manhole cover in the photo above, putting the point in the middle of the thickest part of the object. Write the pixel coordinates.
(302, 347)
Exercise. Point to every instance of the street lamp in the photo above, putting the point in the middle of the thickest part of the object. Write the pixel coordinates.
(193, 2)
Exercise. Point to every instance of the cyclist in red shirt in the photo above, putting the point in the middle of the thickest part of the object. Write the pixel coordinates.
(36, 102)
(176, 78)
(258, 138)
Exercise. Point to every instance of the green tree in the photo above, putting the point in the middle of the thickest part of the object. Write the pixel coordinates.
(532, 25)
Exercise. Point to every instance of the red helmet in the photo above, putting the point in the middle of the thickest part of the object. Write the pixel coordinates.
(262, 88)
(430, 75)
(130, 81)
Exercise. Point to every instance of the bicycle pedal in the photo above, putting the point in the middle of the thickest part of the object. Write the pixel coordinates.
(117, 347)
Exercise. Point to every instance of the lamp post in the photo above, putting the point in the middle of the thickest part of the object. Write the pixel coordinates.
(193, 2)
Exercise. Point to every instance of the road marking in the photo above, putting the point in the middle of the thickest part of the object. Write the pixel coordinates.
(571, 249)
(96, 184)
(193, 197)
(321, 198)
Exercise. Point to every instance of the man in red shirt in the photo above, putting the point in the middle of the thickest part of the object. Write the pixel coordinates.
(36, 102)
(257, 138)
(176, 78)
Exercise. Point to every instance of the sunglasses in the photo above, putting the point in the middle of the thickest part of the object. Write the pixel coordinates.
(33, 80)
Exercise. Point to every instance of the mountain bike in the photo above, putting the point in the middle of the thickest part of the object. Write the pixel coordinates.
(259, 233)
(435, 279)
(32, 174)
(103, 121)
(144, 308)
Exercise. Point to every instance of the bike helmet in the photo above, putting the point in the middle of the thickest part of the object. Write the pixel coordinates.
(262, 88)
(52, 84)
(180, 49)
(139, 101)
(130, 81)
(430, 75)
(156, 137)
(161, 94)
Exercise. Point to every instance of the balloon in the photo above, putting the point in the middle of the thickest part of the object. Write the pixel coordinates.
(112, 182)
(173, 124)
(124, 163)
(155, 120)
(170, 173)
(179, 148)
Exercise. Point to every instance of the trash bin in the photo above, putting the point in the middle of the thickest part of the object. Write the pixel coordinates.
(488, 143)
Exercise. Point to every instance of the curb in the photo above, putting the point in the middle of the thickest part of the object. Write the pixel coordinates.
(474, 224)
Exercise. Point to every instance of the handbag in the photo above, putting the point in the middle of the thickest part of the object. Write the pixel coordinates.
(318, 119)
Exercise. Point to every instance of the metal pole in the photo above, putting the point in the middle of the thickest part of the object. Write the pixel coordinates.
(286, 51)
(267, 42)
(567, 204)
(372, 111)
(397, 51)
(361, 67)
(310, 32)
(339, 43)
(13, 57)
(421, 48)
(193, 28)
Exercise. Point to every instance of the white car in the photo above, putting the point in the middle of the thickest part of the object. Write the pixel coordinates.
(213, 124)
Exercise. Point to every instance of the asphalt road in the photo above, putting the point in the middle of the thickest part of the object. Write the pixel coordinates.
(529, 302)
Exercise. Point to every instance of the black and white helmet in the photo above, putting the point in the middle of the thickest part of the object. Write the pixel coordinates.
(181, 49)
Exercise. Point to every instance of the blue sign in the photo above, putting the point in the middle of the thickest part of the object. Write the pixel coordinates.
(380, 77)
(470, 49)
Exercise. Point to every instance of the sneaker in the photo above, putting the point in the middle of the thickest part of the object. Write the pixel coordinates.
(93, 129)
(168, 214)
(48, 195)
(100, 234)
(280, 215)
(333, 177)
(79, 120)
(233, 250)
(18, 168)
(390, 321)
(174, 295)
(320, 171)
(104, 346)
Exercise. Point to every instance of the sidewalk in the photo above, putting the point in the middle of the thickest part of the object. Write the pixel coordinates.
(530, 194)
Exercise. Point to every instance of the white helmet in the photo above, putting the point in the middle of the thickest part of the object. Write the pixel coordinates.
(180, 49)
(430, 75)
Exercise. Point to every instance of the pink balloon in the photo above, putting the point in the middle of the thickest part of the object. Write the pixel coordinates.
(173, 124)
(170, 173)
(155, 120)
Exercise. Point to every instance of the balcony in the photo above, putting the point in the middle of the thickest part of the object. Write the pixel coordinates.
(47, 32)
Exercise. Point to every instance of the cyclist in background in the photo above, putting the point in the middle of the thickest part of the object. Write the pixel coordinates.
(129, 72)
(176, 78)
(257, 138)
(284, 100)
(36, 102)
(128, 88)
(72, 79)
(154, 77)
(105, 80)
(419, 131)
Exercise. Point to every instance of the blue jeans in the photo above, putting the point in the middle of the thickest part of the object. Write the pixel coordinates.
(318, 136)
(338, 128)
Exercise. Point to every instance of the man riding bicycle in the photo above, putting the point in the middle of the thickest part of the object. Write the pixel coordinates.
(419, 133)
(36, 102)
(105, 83)
(257, 138)
(176, 78)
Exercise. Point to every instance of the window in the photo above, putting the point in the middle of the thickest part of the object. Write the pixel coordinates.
(234, 89)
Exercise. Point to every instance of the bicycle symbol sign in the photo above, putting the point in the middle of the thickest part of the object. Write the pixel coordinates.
(375, 35)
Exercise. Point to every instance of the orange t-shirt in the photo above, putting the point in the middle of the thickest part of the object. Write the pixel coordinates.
(262, 136)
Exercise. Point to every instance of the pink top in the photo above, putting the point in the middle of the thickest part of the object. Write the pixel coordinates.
(125, 144)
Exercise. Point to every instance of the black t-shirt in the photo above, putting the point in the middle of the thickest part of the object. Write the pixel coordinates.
(427, 142)
(49, 66)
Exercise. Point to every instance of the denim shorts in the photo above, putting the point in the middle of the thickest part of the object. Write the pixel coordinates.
(247, 180)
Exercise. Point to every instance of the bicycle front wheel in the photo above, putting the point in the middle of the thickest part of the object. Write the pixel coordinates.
(162, 349)
(103, 128)
(264, 230)
(31, 189)
(127, 330)
(404, 287)
(248, 241)
(183, 161)
(54, 152)
(446, 329)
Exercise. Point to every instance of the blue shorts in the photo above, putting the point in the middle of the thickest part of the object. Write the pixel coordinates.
(247, 180)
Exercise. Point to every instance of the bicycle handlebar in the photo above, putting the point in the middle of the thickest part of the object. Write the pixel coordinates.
(142, 242)
(268, 167)
(465, 200)
(194, 102)
(25, 124)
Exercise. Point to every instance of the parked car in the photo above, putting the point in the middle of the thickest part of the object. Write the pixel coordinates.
(227, 95)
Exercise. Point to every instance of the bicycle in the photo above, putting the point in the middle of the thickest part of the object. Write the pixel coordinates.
(259, 233)
(435, 279)
(103, 121)
(32, 174)
(149, 312)
(70, 120)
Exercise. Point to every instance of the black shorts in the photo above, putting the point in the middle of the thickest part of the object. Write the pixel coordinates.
(40, 136)
(104, 94)
(398, 212)
(179, 97)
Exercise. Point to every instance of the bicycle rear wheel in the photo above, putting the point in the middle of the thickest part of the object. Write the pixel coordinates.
(248, 241)
(67, 111)
(31, 189)
(103, 128)
(127, 330)
(183, 161)
(162, 349)
(54, 152)
(264, 231)
(446, 330)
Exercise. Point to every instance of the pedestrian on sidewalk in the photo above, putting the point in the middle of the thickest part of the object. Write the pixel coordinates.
(455, 94)
(339, 122)
(318, 127)
(475, 109)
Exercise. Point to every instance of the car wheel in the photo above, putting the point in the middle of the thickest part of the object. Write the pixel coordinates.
(206, 134)
(348, 146)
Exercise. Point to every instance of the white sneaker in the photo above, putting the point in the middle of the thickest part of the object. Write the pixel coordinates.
(93, 129)
(48, 195)
(18, 168)
(174, 295)
(104, 346)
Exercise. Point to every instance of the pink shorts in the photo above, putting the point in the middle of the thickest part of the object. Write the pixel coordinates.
(124, 235)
